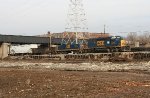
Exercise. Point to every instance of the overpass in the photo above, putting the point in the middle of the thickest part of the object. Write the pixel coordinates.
(17, 39)
(5, 40)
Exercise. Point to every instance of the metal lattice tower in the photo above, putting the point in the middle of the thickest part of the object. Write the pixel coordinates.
(76, 28)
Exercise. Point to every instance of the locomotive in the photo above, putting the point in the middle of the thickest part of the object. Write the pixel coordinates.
(108, 44)
(97, 45)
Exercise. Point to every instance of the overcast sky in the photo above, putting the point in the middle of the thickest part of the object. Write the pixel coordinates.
(34, 17)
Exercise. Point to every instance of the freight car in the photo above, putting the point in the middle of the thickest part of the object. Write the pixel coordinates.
(97, 45)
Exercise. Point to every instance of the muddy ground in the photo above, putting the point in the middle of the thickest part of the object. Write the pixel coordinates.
(16, 82)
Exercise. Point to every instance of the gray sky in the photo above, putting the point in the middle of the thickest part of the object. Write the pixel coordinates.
(33, 17)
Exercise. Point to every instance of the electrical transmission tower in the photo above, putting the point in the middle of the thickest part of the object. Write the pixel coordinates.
(76, 27)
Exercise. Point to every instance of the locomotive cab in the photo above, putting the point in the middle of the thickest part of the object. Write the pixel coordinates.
(118, 44)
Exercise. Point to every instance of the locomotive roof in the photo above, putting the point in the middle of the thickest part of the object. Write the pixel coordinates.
(111, 37)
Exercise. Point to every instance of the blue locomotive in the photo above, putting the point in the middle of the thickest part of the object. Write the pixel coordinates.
(108, 44)
(97, 45)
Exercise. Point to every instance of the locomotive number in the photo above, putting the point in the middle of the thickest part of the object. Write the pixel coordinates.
(100, 43)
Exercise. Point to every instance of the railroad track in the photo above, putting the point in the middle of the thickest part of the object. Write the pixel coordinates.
(115, 56)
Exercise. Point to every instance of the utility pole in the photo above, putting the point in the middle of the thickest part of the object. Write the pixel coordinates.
(104, 29)
(50, 40)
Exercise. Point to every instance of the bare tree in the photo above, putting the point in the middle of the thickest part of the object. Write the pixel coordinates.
(144, 38)
(132, 37)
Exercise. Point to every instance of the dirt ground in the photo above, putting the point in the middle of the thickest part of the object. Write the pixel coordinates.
(45, 83)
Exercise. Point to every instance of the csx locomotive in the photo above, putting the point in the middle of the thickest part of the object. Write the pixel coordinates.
(97, 45)
(108, 44)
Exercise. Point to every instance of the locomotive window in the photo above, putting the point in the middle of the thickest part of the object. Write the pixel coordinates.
(113, 37)
(118, 37)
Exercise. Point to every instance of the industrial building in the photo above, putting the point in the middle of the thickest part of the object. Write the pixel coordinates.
(88, 35)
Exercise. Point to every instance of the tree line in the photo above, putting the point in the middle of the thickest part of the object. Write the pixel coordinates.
(143, 38)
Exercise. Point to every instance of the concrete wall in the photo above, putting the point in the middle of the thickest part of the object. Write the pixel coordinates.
(4, 50)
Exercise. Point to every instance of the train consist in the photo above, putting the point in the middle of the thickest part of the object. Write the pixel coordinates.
(97, 45)
(95, 49)
(93, 45)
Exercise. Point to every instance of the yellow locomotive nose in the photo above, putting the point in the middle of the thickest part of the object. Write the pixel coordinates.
(123, 43)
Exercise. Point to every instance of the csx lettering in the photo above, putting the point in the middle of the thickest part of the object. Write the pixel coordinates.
(100, 43)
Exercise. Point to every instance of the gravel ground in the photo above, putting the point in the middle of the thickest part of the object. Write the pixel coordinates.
(82, 80)
(100, 66)
(45, 83)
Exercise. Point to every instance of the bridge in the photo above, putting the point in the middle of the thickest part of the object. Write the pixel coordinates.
(16, 39)
(5, 40)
